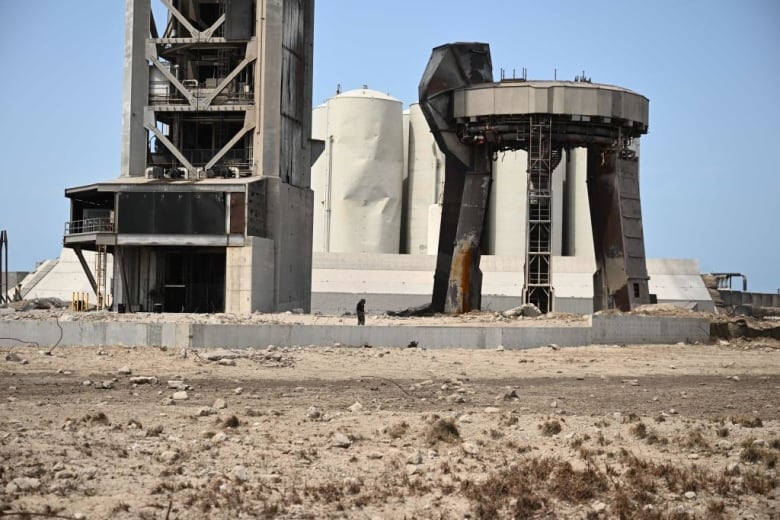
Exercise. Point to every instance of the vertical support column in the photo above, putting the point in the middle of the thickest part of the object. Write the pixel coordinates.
(538, 258)
(136, 88)
(464, 290)
(454, 181)
(620, 281)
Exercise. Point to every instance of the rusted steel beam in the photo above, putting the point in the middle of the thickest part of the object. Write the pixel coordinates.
(464, 292)
(454, 180)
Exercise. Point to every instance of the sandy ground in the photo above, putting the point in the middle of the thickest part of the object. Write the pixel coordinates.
(665, 431)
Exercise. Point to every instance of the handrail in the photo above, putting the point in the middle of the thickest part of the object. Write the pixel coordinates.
(89, 225)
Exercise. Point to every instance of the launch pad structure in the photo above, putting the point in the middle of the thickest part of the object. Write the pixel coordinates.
(473, 118)
(213, 208)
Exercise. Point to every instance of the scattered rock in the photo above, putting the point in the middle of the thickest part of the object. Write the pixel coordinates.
(238, 390)
(690, 495)
(355, 408)
(512, 394)
(180, 396)
(528, 310)
(313, 413)
(23, 484)
(240, 473)
(492, 409)
(455, 398)
(143, 380)
(205, 412)
(219, 404)
(599, 507)
(124, 371)
(227, 362)
(219, 437)
(221, 354)
(168, 456)
(500, 348)
(13, 357)
(177, 384)
(470, 448)
(339, 440)
(415, 458)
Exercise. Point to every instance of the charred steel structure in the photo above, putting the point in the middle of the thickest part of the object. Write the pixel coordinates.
(212, 208)
(473, 118)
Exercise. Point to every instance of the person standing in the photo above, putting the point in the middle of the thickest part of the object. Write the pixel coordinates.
(360, 310)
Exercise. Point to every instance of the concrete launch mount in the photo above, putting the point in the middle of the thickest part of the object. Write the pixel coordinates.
(473, 118)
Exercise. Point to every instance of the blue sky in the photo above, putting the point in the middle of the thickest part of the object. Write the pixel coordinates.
(711, 69)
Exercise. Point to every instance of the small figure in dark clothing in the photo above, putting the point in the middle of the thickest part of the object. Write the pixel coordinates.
(360, 310)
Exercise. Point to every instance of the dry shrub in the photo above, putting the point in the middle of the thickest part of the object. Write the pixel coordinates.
(694, 439)
(638, 430)
(756, 454)
(397, 430)
(576, 486)
(521, 491)
(747, 421)
(775, 443)
(231, 422)
(758, 483)
(442, 430)
(98, 418)
(631, 417)
(716, 509)
(550, 428)
(723, 432)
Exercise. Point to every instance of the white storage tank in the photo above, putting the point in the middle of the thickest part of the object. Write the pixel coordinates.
(319, 178)
(579, 236)
(359, 185)
(508, 201)
(425, 184)
(507, 214)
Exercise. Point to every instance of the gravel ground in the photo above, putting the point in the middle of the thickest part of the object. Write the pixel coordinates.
(662, 431)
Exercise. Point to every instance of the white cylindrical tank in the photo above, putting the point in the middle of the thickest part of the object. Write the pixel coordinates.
(424, 184)
(319, 178)
(507, 213)
(506, 219)
(364, 170)
(579, 236)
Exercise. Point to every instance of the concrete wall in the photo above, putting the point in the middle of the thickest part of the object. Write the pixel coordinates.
(395, 282)
(249, 274)
(604, 329)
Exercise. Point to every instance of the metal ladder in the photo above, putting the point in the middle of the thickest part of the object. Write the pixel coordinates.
(538, 257)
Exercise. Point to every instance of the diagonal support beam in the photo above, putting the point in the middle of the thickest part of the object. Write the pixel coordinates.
(150, 124)
(182, 19)
(85, 267)
(230, 144)
(208, 33)
(251, 55)
(175, 82)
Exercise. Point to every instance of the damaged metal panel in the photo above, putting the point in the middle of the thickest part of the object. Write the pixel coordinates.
(451, 67)
(613, 189)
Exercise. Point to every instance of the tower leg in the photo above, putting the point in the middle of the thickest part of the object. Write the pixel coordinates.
(621, 277)
(454, 181)
(464, 292)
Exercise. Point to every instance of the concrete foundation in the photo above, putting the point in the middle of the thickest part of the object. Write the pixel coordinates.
(600, 329)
